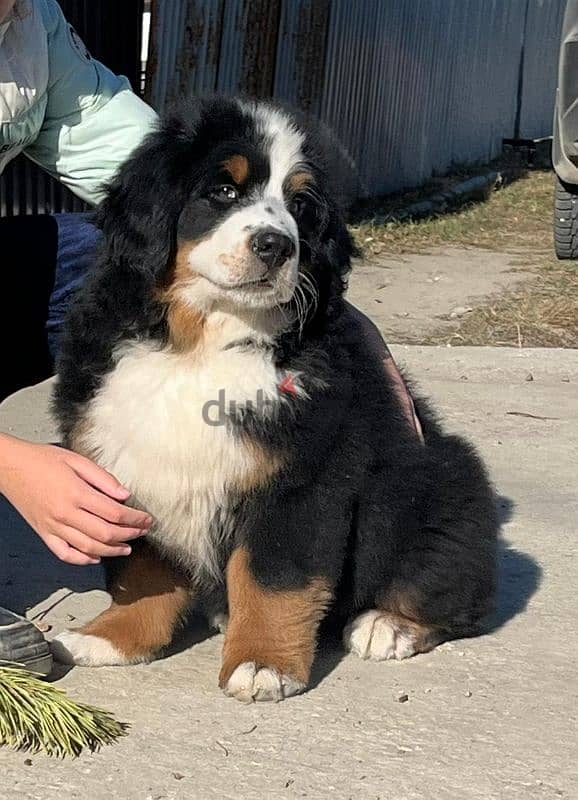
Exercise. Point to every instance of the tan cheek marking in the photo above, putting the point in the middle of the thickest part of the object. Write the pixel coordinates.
(186, 324)
(300, 181)
(238, 168)
(273, 629)
(236, 262)
(149, 600)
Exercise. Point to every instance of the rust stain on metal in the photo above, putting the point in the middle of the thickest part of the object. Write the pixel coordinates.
(261, 30)
(310, 52)
(198, 55)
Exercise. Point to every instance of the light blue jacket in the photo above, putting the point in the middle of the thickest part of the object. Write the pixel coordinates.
(60, 107)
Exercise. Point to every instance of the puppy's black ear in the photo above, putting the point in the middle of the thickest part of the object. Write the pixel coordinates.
(328, 248)
(324, 231)
(139, 212)
(337, 243)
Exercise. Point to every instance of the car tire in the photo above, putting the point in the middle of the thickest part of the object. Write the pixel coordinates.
(566, 220)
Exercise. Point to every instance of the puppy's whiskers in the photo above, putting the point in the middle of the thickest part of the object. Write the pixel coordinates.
(310, 286)
(305, 300)
(283, 309)
(300, 307)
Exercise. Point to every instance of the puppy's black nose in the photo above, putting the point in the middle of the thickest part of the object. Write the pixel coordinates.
(272, 247)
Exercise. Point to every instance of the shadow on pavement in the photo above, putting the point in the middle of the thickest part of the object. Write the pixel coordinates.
(519, 575)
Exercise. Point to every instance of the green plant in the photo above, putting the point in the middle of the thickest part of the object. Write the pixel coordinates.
(37, 716)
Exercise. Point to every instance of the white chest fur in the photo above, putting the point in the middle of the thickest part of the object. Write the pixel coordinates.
(157, 425)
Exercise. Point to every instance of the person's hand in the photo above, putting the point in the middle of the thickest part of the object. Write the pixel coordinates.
(73, 505)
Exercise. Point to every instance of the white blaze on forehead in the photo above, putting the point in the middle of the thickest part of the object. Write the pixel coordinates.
(283, 141)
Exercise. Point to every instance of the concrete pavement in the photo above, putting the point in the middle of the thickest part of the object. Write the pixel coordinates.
(486, 718)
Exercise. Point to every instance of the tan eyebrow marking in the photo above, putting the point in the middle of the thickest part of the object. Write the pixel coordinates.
(238, 168)
(300, 181)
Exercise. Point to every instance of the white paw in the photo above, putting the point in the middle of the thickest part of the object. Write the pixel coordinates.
(373, 635)
(247, 683)
(72, 647)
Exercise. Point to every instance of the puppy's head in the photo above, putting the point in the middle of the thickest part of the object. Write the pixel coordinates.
(230, 204)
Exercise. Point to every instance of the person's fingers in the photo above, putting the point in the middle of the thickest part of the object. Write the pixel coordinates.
(97, 477)
(66, 553)
(110, 510)
(104, 532)
(89, 546)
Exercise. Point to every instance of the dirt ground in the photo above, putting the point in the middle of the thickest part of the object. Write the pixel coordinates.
(490, 264)
(411, 297)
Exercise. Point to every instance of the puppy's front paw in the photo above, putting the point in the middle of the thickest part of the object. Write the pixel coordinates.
(73, 647)
(250, 683)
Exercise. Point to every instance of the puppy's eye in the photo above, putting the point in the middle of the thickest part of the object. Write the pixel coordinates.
(296, 206)
(225, 194)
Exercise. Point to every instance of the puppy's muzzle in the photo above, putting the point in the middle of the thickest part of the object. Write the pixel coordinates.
(272, 247)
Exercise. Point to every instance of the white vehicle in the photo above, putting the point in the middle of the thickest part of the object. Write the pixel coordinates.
(565, 142)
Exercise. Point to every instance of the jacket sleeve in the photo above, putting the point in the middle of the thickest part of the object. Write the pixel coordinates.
(93, 120)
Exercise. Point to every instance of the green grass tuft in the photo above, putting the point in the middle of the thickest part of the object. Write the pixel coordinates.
(36, 716)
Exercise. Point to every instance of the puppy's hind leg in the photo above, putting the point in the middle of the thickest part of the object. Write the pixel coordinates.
(381, 635)
(442, 566)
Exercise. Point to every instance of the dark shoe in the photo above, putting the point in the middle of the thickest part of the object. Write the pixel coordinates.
(22, 643)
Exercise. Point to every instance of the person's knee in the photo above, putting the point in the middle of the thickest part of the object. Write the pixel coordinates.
(369, 331)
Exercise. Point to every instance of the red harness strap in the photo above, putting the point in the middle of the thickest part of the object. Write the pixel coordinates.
(403, 395)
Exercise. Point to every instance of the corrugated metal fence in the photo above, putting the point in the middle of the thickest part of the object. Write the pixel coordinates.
(112, 32)
(410, 86)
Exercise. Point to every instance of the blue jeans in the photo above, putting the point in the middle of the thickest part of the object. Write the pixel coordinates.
(44, 260)
(77, 241)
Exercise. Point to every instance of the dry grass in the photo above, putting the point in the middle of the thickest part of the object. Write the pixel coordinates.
(517, 216)
(517, 219)
(543, 313)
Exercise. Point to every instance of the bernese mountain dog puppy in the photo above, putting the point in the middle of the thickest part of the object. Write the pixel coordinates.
(211, 364)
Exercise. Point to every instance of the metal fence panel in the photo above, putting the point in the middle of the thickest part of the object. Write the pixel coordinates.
(231, 47)
(167, 30)
(301, 50)
(199, 52)
(249, 47)
(410, 87)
